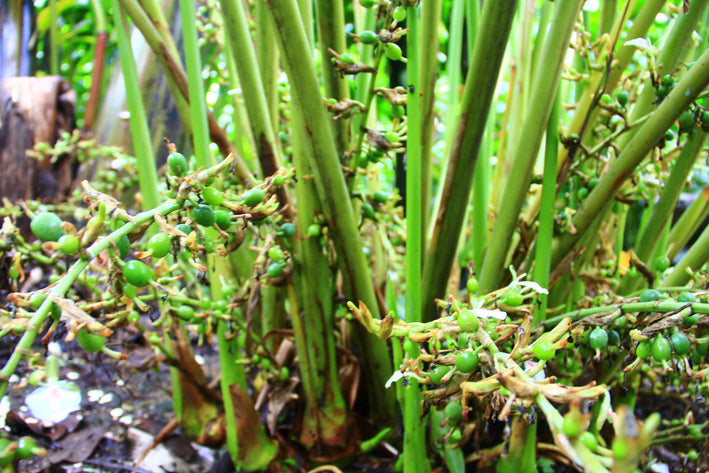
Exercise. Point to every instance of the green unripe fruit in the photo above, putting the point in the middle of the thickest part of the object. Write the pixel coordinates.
(661, 348)
(47, 226)
(399, 13)
(437, 373)
(472, 284)
(571, 425)
(466, 361)
(453, 412)
(512, 299)
(184, 228)
(622, 98)
(204, 215)
(468, 321)
(159, 244)
(649, 295)
(212, 196)
(380, 196)
(598, 339)
(123, 245)
(133, 317)
(185, 312)
(544, 350)
(346, 58)
(397, 111)
(681, 343)
(661, 264)
(667, 80)
(137, 273)
(90, 342)
(223, 219)
(686, 121)
(368, 37)
(367, 3)
(287, 229)
(68, 244)
(393, 51)
(314, 230)
(644, 349)
(589, 440)
(253, 197)
(276, 254)
(26, 448)
(177, 163)
(283, 373)
(661, 92)
(367, 210)
(275, 270)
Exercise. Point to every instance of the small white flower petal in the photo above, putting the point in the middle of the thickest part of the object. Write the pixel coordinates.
(490, 314)
(659, 468)
(4, 409)
(534, 286)
(394, 378)
(640, 43)
(54, 401)
(530, 365)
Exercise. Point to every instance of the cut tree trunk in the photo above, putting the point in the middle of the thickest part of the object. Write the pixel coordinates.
(34, 110)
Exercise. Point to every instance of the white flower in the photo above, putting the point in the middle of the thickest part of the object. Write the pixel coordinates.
(640, 43)
(54, 401)
(490, 314)
(534, 286)
(4, 409)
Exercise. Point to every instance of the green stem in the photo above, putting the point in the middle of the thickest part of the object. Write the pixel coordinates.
(254, 96)
(195, 85)
(662, 212)
(142, 145)
(414, 430)
(545, 85)
(674, 46)
(331, 187)
(545, 232)
(427, 75)
(60, 289)
(331, 34)
(684, 93)
(688, 223)
(480, 84)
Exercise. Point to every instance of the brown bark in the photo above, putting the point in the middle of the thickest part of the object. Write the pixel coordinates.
(34, 110)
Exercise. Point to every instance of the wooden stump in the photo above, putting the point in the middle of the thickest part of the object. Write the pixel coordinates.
(34, 110)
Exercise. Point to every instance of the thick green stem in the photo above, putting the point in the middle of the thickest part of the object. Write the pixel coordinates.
(674, 46)
(427, 75)
(415, 460)
(142, 146)
(545, 232)
(195, 85)
(684, 93)
(177, 81)
(480, 84)
(331, 34)
(330, 183)
(662, 212)
(254, 96)
(545, 85)
(688, 223)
